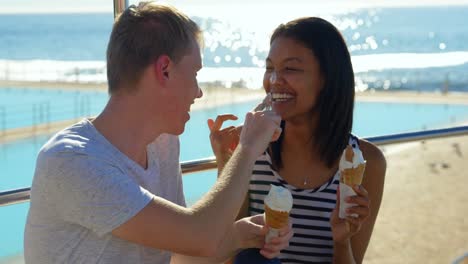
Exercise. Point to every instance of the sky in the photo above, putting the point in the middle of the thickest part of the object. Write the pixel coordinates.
(201, 7)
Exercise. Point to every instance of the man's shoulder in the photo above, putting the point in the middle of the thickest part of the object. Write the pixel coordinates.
(75, 139)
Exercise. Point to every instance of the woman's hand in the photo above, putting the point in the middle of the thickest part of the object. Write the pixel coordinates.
(344, 229)
(251, 232)
(223, 141)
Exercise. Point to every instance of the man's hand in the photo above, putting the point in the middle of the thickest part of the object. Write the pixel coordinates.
(251, 231)
(260, 128)
(224, 141)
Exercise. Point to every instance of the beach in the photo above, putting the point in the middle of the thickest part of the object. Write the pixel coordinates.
(422, 217)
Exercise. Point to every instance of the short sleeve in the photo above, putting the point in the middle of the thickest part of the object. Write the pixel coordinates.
(94, 193)
(180, 190)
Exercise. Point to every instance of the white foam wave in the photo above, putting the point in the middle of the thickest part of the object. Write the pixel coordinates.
(53, 70)
(364, 63)
(251, 77)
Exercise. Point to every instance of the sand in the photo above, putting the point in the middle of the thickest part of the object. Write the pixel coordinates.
(424, 212)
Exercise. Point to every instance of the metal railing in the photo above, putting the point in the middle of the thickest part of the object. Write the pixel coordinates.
(119, 6)
(23, 195)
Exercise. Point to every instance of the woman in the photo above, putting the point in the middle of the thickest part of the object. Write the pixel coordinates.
(310, 80)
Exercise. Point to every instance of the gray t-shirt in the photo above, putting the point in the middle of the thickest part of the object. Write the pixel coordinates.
(84, 187)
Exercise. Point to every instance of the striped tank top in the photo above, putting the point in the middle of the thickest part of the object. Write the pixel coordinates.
(312, 241)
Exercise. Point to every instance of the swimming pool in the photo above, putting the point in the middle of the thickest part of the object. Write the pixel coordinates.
(24, 107)
(17, 159)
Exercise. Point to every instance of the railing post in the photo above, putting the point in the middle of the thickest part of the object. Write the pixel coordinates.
(88, 105)
(75, 104)
(3, 120)
(41, 114)
(82, 106)
(119, 6)
(446, 84)
(48, 116)
(34, 118)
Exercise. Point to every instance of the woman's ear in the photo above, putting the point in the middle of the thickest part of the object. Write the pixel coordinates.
(162, 68)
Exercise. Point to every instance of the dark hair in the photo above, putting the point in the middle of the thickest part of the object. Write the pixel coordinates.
(335, 101)
(143, 33)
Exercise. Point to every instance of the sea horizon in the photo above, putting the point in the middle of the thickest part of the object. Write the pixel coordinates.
(392, 48)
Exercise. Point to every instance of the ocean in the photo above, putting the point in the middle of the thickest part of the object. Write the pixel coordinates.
(424, 49)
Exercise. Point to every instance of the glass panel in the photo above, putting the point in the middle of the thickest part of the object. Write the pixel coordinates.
(12, 225)
(410, 66)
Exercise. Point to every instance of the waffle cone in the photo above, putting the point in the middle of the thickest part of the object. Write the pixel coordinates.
(276, 219)
(353, 176)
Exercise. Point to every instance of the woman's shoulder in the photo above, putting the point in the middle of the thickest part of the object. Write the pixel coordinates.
(371, 152)
(376, 166)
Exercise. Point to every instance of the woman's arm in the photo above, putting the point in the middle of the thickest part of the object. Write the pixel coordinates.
(373, 182)
(223, 141)
(352, 235)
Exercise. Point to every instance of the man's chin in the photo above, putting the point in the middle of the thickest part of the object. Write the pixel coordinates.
(178, 131)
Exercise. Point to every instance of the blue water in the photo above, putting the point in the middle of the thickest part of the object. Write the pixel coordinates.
(394, 31)
(54, 36)
(85, 36)
(25, 107)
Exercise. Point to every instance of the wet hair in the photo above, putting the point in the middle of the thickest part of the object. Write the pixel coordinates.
(140, 35)
(335, 102)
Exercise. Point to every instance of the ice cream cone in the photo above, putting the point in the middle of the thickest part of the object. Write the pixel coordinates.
(276, 219)
(278, 203)
(353, 176)
(352, 167)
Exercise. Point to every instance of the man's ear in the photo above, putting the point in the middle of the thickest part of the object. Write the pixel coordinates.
(162, 68)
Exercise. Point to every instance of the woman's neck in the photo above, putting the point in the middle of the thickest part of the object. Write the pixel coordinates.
(299, 137)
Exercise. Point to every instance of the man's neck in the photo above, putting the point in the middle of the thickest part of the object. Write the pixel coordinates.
(124, 127)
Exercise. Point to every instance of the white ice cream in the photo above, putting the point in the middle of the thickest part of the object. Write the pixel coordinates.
(345, 190)
(279, 199)
(357, 159)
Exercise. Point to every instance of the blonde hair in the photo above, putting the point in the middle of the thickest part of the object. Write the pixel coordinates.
(140, 35)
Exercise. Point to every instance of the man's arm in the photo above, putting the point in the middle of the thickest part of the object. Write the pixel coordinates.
(200, 229)
(197, 230)
(248, 232)
(230, 244)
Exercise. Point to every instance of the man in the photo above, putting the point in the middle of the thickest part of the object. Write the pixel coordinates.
(109, 189)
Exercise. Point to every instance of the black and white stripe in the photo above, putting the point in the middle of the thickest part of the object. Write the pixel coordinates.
(312, 241)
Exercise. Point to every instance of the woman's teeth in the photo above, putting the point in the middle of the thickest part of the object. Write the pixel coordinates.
(280, 97)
